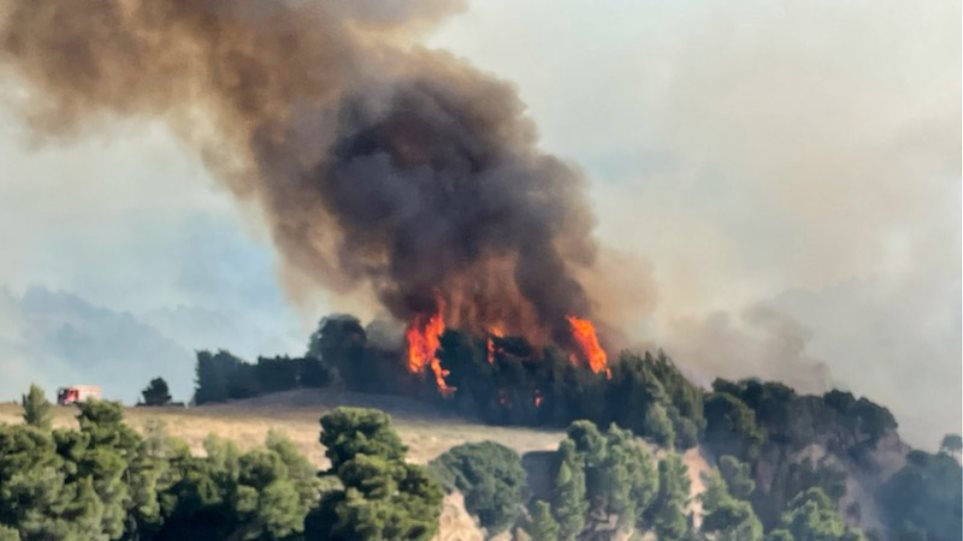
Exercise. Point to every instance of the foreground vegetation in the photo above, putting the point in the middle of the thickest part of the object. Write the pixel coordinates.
(834, 453)
(785, 467)
(105, 481)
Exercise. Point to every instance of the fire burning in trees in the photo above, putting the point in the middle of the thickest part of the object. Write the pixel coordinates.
(588, 343)
(379, 166)
(494, 332)
(423, 337)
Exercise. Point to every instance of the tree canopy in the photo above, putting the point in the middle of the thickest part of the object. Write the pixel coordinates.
(491, 478)
(36, 408)
(382, 497)
(156, 393)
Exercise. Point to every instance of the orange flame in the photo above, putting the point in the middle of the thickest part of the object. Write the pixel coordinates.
(497, 332)
(584, 333)
(424, 338)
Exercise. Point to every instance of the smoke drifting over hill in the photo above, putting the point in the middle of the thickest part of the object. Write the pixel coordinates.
(758, 147)
(381, 167)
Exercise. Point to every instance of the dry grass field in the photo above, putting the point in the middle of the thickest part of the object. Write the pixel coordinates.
(296, 413)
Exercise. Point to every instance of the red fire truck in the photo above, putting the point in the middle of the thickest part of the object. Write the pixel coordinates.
(77, 393)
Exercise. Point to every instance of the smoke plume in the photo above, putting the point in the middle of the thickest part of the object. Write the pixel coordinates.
(381, 167)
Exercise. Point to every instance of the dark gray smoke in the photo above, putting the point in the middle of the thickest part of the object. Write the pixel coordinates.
(380, 165)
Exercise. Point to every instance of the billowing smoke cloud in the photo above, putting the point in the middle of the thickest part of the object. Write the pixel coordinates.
(383, 168)
(801, 155)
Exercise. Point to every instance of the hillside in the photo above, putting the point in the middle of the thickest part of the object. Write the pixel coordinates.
(425, 431)
(295, 413)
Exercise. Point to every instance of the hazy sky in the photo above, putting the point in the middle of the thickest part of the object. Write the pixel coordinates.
(790, 172)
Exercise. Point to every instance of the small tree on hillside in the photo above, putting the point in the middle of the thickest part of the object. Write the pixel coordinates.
(36, 408)
(543, 526)
(156, 393)
(570, 505)
(667, 512)
(952, 445)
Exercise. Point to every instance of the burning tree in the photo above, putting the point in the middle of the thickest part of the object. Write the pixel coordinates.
(508, 380)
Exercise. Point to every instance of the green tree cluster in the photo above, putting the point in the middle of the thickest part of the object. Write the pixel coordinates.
(104, 481)
(504, 380)
(491, 478)
(606, 483)
(727, 515)
(381, 497)
(221, 376)
(925, 497)
(812, 516)
(766, 424)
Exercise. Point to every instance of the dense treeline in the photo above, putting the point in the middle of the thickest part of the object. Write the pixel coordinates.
(104, 481)
(221, 376)
(608, 485)
(788, 444)
(924, 500)
(769, 426)
(511, 383)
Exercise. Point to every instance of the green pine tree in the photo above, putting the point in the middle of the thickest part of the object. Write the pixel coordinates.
(543, 526)
(569, 502)
(667, 512)
(36, 408)
(726, 517)
(383, 497)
